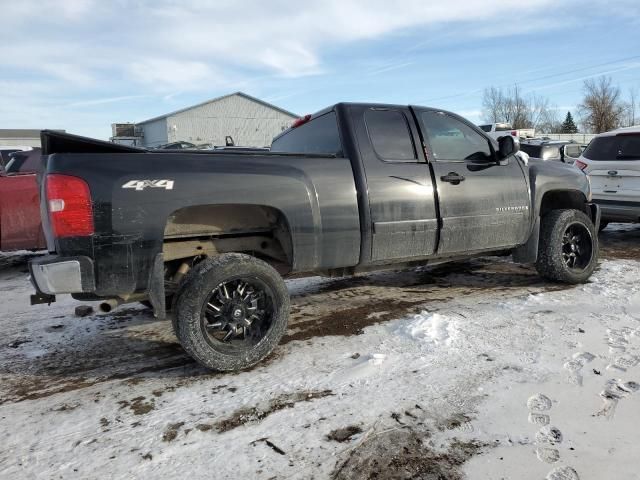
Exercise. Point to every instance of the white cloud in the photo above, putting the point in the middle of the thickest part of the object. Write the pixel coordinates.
(103, 101)
(75, 52)
(163, 74)
(278, 38)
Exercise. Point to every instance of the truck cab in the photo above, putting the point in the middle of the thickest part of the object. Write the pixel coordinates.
(436, 186)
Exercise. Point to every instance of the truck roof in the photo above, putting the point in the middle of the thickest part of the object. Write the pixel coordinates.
(339, 105)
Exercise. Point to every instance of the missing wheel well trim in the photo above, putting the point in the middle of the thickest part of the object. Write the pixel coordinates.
(563, 200)
(210, 230)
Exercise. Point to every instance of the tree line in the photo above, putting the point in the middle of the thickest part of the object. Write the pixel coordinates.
(603, 108)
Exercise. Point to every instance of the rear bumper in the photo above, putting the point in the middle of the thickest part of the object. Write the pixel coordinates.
(54, 275)
(621, 211)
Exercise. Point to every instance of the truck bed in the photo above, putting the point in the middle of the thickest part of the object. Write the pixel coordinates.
(140, 197)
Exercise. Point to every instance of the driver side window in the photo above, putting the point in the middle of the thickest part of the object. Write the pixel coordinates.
(450, 139)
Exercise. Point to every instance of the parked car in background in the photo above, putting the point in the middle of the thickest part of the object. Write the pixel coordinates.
(612, 162)
(556, 150)
(177, 146)
(20, 225)
(572, 151)
(497, 130)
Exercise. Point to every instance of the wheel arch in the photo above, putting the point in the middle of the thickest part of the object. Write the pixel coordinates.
(557, 199)
(263, 230)
(562, 199)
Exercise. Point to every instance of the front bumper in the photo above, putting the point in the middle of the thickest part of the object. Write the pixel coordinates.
(52, 275)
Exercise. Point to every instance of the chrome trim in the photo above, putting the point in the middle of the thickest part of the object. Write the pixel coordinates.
(59, 277)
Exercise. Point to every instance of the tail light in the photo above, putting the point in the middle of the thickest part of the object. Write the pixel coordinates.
(580, 165)
(514, 133)
(70, 209)
(300, 121)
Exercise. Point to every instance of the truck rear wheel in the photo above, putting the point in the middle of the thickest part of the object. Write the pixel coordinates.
(231, 311)
(568, 248)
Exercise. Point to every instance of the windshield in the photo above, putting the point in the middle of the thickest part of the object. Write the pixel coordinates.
(618, 147)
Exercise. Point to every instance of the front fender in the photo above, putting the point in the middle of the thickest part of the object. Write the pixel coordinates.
(549, 176)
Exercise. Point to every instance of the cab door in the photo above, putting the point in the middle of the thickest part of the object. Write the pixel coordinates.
(399, 186)
(484, 203)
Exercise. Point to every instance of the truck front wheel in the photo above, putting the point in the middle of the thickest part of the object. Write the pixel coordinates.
(231, 311)
(568, 247)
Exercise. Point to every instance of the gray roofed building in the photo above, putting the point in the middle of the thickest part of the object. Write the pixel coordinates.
(248, 120)
(23, 137)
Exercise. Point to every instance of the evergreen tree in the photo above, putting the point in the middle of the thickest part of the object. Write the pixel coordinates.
(568, 126)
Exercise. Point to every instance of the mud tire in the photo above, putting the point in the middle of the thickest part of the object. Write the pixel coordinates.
(551, 264)
(193, 295)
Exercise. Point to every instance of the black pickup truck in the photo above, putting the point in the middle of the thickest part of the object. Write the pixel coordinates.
(210, 235)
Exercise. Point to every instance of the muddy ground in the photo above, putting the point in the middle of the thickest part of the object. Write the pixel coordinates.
(130, 346)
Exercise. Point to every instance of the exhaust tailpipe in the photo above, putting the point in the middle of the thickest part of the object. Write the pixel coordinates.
(108, 305)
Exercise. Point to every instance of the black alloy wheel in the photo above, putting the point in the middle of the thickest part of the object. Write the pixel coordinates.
(577, 246)
(237, 314)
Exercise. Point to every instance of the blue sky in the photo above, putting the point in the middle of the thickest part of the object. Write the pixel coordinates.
(84, 64)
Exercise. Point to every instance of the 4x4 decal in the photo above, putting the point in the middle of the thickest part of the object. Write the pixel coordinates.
(142, 184)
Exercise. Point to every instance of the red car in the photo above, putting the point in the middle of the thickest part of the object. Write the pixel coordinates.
(20, 227)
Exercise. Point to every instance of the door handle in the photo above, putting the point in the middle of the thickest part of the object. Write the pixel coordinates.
(452, 177)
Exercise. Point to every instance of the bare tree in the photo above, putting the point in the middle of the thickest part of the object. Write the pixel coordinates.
(493, 105)
(602, 108)
(632, 107)
(549, 122)
(511, 106)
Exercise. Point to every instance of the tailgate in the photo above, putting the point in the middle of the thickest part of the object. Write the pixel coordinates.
(618, 179)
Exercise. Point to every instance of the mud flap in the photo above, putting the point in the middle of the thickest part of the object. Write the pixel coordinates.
(156, 288)
(595, 214)
(528, 253)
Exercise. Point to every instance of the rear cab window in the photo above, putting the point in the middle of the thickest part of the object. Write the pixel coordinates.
(614, 147)
(319, 135)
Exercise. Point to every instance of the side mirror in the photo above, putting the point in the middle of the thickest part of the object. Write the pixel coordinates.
(507, 146)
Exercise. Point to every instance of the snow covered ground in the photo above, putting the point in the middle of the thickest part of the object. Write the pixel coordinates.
(476, 370)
